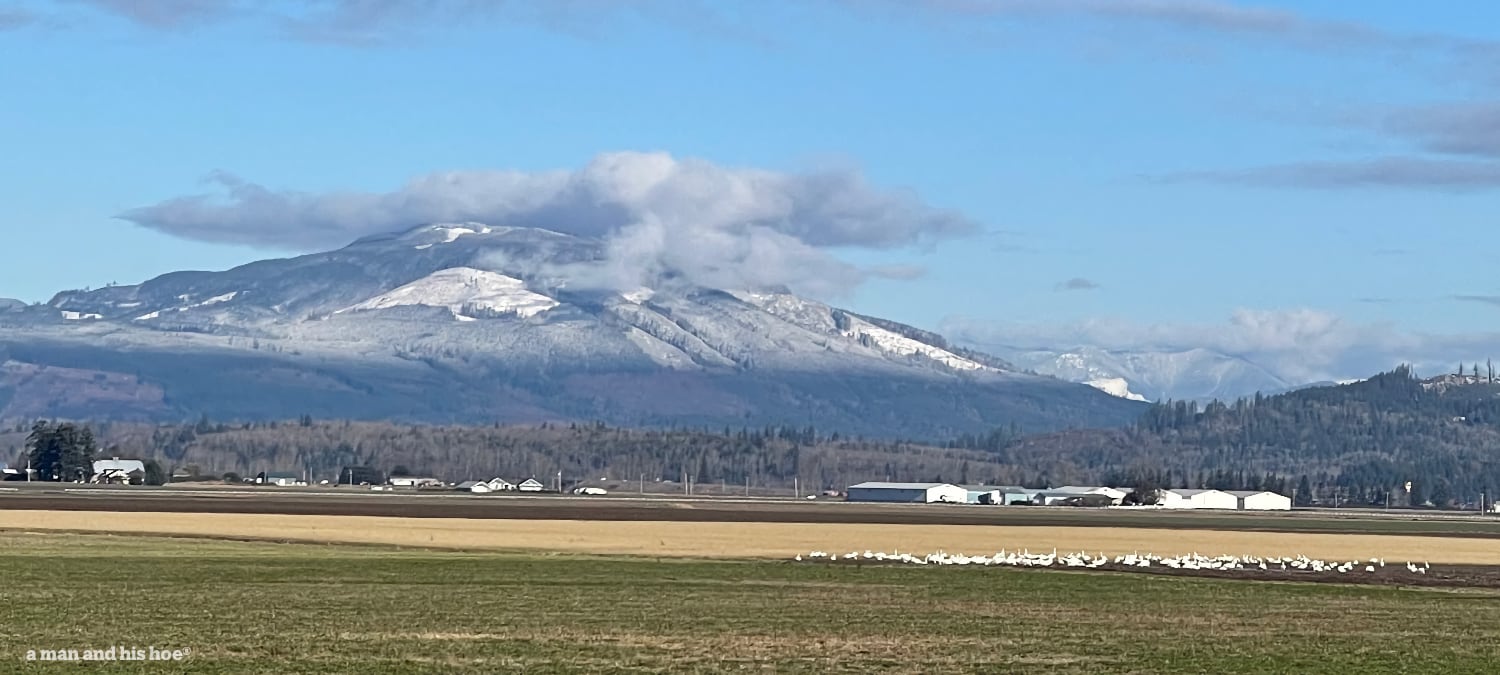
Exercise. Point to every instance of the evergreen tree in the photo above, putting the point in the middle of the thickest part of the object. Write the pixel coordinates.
(155, 475)
(61, 452)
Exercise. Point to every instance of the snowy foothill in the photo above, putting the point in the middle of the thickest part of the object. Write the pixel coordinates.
(459, 289)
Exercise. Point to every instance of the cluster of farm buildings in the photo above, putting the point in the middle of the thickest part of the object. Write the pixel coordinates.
(1070, 495)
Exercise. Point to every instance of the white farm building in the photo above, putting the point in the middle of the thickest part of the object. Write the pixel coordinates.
(1115, 494)
(1205, 499)
(918, 493)
(1261, 500)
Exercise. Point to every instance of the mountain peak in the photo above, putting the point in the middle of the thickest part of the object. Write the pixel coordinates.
(390, 326)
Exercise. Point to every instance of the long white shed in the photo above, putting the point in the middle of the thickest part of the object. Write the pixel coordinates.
(1206, 499)
(1261, 500)
(913, 493)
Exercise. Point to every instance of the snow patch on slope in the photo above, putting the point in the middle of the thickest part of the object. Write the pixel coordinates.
(458, 288)
(899, 344)
(1115, 386)
(819, 317)
(215, 300)
(185, 297)
(638, 295)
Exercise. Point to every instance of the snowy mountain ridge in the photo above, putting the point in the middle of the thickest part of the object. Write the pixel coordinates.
(1189, 374)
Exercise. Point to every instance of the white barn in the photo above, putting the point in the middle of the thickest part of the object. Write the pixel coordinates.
(1206, 499)
(476, 486)
(1113, 493)
(915, 493)
(530, 485)
(1261, 500)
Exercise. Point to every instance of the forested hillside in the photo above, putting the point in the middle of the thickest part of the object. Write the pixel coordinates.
(1356, 442)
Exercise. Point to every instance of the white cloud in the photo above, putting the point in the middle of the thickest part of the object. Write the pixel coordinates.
(1298, 345)
(717, 226)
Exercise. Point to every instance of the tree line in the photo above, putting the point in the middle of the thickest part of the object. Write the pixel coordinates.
(766, 457)
(1360, 443)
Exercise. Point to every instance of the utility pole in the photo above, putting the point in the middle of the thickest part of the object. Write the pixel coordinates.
(643, 483)
(796, 489)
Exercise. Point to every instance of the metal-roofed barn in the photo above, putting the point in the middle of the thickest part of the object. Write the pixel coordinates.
(909, 493)
(1206, 499)
(1261, 500)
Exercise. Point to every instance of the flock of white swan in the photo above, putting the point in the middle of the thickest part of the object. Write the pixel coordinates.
(1193, 561)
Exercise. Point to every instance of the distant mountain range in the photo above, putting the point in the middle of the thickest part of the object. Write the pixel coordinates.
(1191, 374)
(467, 323)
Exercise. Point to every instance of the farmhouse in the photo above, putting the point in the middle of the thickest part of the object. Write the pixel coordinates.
(1205, 499)
(919, 493)
(476, 486)
(501, 485)
(530, 485)
(1261, 500)
(118, 471)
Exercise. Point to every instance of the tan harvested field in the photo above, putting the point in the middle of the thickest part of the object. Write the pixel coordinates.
(752, 539)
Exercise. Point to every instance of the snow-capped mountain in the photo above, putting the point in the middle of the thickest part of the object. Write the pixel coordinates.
(474, 322)
(1192, 374)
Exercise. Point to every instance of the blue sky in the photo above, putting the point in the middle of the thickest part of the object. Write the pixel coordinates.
(1135, 173)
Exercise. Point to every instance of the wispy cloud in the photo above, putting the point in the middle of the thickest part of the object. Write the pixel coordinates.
(169, 14)
(1076, 284)
(367, 23)
(723, 226)
(899, 272)
(1383, 172)
(1207, 18)
(1468, 128)
(15, 17)
(1492, 300)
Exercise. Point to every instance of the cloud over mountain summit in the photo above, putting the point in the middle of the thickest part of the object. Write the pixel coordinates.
(718, 225)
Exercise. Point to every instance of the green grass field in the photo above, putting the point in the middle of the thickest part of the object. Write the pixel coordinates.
(260, 607)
